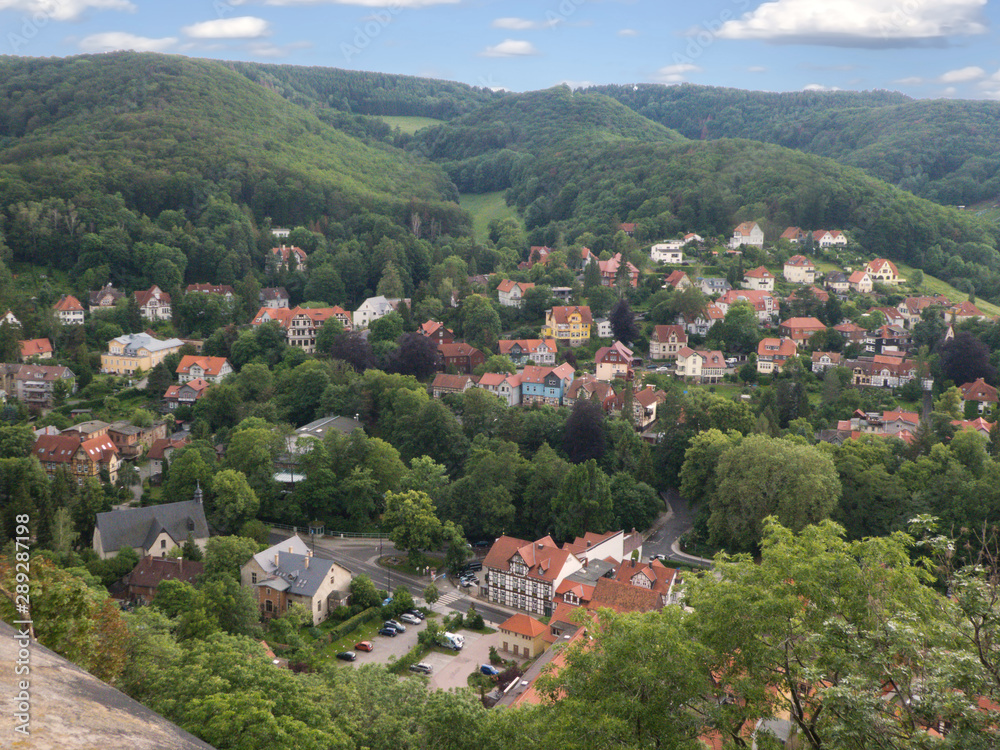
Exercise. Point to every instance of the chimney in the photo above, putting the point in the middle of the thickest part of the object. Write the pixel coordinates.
(633, 562)
(275, 559)
(307, 562)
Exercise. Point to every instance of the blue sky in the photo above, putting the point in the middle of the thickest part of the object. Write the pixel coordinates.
(924, 48)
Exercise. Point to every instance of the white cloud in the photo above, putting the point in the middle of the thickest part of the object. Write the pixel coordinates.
(510, 48)
(819, 87)
(756, 69)
(578, 84)
(963, 75)
(522, 24)
(628, 32)
(909, 81)
(110, 41)
(242, 27)
(859, 23)
(64, 10)
(674, 73)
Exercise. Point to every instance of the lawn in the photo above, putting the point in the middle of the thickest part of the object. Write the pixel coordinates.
(935, 285)
(409, 125)
(402, 564)
(485, 207)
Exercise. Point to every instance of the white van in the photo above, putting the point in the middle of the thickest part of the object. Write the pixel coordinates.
(453, 640)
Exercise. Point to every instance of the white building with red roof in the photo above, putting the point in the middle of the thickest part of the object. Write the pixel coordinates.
(829, 238)
(280, 258)
(772, 354)
(69, 310)
(613, 361)
(185, 394)
(524, 636)
(861, 282)
(83, 457)
(963, 311)
(764, 303)
(799, 270)
(747, 233)
(520, 351)
(503, 385)
(36, 348)
(610, 269)
(666, 341)
(154, 303)
(700, 366)
(677, 280)
(196, 367)
(511, 293)
(759, 279)
(883, 271)
(980, 392)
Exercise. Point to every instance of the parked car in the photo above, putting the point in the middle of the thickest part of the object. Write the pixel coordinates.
(364, 646)
(489, 671)
(469, 567)
(393, 624)
(481, 545)
(347, 655)
(409, 619)
(422, 668)
(390, 632)
(416, 613)
(465, 583)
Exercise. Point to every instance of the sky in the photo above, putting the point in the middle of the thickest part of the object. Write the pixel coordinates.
(923, 48)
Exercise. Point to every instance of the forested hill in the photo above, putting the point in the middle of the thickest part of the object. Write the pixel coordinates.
(367, 93)
(166, 132)
(945, 150)
(492, 147)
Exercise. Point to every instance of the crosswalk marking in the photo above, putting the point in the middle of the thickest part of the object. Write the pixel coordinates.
(448, 599)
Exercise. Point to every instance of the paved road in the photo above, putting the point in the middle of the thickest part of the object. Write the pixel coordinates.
(665, 540)
(359, 556)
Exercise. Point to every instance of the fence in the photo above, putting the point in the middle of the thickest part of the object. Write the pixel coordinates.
(341, 534)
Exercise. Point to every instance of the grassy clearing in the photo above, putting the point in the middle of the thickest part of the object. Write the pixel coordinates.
(409, 125)
(933, 285)
(485, 207)
(989, 210)
(403, 565)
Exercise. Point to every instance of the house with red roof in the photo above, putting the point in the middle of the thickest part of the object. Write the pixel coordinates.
(829, 238)
(194, 367)
(883, 271)
(568, 324)
(36, 348)
(795, 235)
(104, 298)
(799, 270)
(82, 456)
(980, 392)
(611, 267)
(758, 279)
(185, 394)
(772, 354)
(644, 404)
(628, 227)
(503, 385)
(677, 280)
(511, 293)
(141, 582)
(823, 361)
(444, 383)
(852, 332)
(763, 302)
(700, 325)
(912, 308)
(963, 311)
(69, 310)
(747, 233)
(521, 351)
(461, 356)
(154, 303)
(587, 387)
(613, 361)
(436, 332)
(820, 295)
(666, 341)
(545, 385)
(280, 258)
(523, 635)
(861, 282)
(700, 366)
(800, 330)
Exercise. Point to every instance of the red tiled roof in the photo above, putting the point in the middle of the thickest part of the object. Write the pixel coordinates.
(624, 597)
(758, 273)
(68, 303)
(450, 382)
(35, 347)
(143, 296)
(521, 624)
(662, 333)
(210, 365)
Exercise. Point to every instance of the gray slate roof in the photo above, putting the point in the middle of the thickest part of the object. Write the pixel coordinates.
(137, 527)
(293, 576)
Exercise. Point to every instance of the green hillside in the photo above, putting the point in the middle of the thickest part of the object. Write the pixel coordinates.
(945, 150)
(163, 131)
(492, 148)
(484, 208)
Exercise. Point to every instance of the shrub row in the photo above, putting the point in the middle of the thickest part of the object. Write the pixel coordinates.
(349, 626)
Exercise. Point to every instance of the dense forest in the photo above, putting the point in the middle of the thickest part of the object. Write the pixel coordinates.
(943, 150)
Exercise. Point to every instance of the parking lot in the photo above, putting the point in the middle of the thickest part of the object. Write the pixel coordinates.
(451, 668)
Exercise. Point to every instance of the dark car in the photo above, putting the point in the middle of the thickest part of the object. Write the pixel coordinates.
(472, 566)
(390, 632)
(489, 671)
(416, 613)
(347, 655)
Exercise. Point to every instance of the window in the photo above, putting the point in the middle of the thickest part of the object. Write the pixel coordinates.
(163, 544)
(268, 606)
(319, 605)
(253, 578)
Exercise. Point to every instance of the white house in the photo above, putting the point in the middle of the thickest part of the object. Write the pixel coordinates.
(372, 309)
(799, 270)
(668, 252)
(511, 293)
(759, 279)
(747, 233)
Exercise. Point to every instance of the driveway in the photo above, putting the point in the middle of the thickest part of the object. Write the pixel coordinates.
(386, 647)
(451, 670)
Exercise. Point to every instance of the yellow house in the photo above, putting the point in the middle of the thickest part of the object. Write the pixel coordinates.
(137, 351)
(522, 635)
(568, 325)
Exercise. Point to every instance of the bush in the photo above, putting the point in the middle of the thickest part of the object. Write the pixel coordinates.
(412, 656)
(495, 657)
(349, 626)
